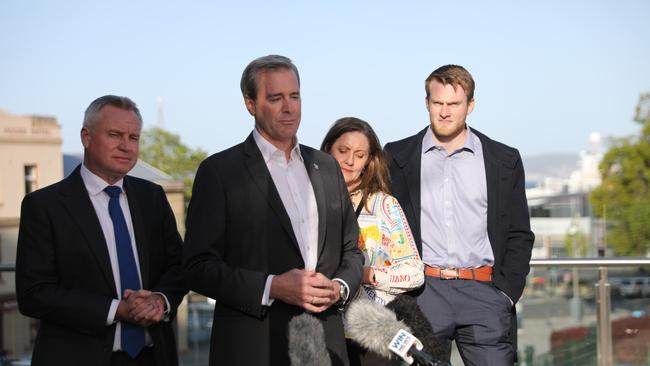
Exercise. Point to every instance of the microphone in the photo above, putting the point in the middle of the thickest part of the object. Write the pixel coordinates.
(307, 342)
(377, 329)
(406, 309)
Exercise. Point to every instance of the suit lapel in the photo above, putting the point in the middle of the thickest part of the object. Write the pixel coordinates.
(492, 176)
(260, 175)
(413, 171)
(314, 172)
(74, 197)
(139, 231)
(409, 159)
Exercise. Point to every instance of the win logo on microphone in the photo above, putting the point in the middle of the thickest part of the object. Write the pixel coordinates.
(402, 343)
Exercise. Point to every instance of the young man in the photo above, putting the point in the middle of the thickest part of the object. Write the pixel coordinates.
(270, 230)
(464, 196)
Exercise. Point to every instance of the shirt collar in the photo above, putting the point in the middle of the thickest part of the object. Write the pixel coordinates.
(94, 184)
(469, 141)
(429, 142)
(269, 151)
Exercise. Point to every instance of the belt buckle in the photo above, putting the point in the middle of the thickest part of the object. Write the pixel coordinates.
(449, 273)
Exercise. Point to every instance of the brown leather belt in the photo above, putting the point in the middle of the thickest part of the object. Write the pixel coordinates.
(483, 274)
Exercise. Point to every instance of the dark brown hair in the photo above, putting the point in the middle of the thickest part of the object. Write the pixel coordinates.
(453, 75)
(248, 83)
(375, 176)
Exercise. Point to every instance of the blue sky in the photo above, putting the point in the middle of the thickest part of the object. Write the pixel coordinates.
(548, 73)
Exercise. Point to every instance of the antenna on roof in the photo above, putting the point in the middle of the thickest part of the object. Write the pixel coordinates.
(161, 116)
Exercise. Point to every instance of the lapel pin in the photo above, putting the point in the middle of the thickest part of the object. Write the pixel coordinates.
(315, 166)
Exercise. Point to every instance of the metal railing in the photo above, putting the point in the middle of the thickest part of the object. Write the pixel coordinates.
(603, 295)
(603, 292)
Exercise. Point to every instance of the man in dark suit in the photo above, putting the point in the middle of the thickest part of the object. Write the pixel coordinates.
(98, 258)
(464, 196)
(270, 230)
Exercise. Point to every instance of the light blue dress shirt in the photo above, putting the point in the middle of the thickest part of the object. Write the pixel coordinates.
(453, 213)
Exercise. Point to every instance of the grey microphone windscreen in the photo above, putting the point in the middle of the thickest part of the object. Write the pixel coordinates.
(307, 342)
(372, 326)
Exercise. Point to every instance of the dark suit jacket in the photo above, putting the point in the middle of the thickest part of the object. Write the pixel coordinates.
(508, 223)
(64, 276)
(238, 232)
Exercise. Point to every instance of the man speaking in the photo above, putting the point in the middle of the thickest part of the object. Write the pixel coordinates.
(270, 230)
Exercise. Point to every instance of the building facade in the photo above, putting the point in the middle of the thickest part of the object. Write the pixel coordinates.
(30, 158)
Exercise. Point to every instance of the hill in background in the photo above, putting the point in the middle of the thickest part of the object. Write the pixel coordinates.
(557, 165)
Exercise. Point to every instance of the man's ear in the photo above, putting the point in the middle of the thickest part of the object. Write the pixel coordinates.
(250, 105)
(426, 103)
(85, 137)
(470, 106)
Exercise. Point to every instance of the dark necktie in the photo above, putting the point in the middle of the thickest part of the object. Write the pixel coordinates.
(132, 335)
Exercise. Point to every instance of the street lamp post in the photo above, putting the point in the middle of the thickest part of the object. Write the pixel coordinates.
(576, 303)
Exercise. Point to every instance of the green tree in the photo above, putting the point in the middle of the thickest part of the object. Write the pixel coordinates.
(579, 240)
(624, 194)
(165, 151)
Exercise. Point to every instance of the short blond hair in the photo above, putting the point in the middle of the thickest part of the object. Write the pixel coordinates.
(453, 75)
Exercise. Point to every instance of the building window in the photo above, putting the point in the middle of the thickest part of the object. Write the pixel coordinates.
(540, 212)
(31, 178)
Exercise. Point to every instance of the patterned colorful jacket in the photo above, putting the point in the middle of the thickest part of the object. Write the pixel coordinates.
(388, 247)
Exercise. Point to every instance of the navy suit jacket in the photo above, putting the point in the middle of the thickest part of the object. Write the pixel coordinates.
(64, 276)
(508, 222)
(238, 232)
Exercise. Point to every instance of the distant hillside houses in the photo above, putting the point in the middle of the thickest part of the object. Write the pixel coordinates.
(557, 188)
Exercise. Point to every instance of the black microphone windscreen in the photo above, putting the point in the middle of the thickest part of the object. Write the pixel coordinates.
(307, 342)
(372, 326)
(407, 310)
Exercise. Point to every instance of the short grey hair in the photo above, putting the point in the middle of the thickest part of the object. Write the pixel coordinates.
(90, 116)
(248, 82)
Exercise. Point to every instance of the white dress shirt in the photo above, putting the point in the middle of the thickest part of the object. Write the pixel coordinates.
(95, 187)
(297, 194)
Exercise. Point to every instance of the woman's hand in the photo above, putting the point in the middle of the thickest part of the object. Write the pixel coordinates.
(368, 277)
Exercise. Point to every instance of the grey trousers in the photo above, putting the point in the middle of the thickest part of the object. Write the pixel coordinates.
(476, 315)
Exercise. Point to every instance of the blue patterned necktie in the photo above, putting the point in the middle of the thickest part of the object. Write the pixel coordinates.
(132, 335)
